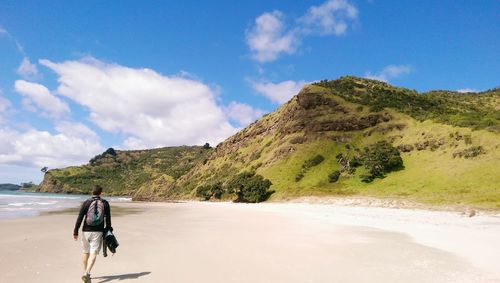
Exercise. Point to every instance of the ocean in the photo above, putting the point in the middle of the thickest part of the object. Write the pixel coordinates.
(15, 204)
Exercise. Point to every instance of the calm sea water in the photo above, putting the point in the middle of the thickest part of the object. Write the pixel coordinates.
(14, 204)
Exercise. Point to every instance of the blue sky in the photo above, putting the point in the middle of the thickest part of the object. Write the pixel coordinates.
(77, 78)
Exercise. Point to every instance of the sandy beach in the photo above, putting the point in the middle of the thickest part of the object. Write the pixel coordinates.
(272, 242)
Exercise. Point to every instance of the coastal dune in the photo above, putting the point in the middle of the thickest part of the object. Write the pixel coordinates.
(225, 242)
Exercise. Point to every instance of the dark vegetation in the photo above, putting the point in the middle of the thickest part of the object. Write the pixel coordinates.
(14, 187)
(379, 159)
(472, 110)
(308, 164)
(470, 152)
(249, 187)
(206, 192)
(244, 187)
(349, 160)
(28, 186)
(9, 187)
(123, 172)
(109, 152)
(334, 176)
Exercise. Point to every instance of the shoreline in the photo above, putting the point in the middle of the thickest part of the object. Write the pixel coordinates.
(342, 201)
(354, 200)
(20, 204)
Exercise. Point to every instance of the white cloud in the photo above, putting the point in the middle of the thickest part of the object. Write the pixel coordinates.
(242, 113)
(278, 92)
(27, 69)
(467, 90)
(269, 37)
(72, 144)
(389, 72)
(331, 17)
(76, 130)
(19, 47)
(5, 105)
(34, 148)
(39, 95)
(152, 110)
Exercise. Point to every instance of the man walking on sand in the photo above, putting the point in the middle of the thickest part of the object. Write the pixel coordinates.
(96, 212)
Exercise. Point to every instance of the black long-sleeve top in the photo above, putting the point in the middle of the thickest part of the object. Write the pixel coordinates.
(83, 212)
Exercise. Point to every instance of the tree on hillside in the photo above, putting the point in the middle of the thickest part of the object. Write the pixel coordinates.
(207, 192)
(44, 169)
(111, 151)
(249, 187)
(27, 185)
(380, 158)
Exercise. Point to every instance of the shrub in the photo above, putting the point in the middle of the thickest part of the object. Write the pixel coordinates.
(95, 159)
(203, 192)
(470, 152)
(111, 151)
(299, 176)
(380, 158)
(349, 162)
(249, 187)
(355, 161)
(334, 176)
(27, 185)
(316, 160)
(313, 161)
(367, 178)
(217, 191)
(206, 192)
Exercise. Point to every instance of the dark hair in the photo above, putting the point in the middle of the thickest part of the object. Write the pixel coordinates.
(97, 190)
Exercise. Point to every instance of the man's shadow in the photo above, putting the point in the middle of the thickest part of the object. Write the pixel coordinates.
(120, 277)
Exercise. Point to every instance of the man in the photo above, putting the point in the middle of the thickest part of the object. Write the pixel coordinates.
(94, 210)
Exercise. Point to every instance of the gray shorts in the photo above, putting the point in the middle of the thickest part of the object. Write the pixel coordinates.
(91, 242)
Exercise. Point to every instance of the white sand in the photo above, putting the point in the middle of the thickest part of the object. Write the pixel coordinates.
(224, 242)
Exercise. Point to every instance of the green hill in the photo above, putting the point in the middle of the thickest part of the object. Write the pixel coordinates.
(9, 187)
(127, 172)
(343, 137)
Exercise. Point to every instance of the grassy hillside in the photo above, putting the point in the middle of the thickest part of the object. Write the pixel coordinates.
(137, 173)
(337, 138)
(475, 110)
(440, 166)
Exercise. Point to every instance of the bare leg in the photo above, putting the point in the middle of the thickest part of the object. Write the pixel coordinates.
(85, 260)
(90, 262)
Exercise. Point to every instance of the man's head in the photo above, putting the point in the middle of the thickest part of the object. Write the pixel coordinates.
(97, 190)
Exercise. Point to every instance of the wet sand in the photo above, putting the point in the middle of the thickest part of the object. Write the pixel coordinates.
(225, 242)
